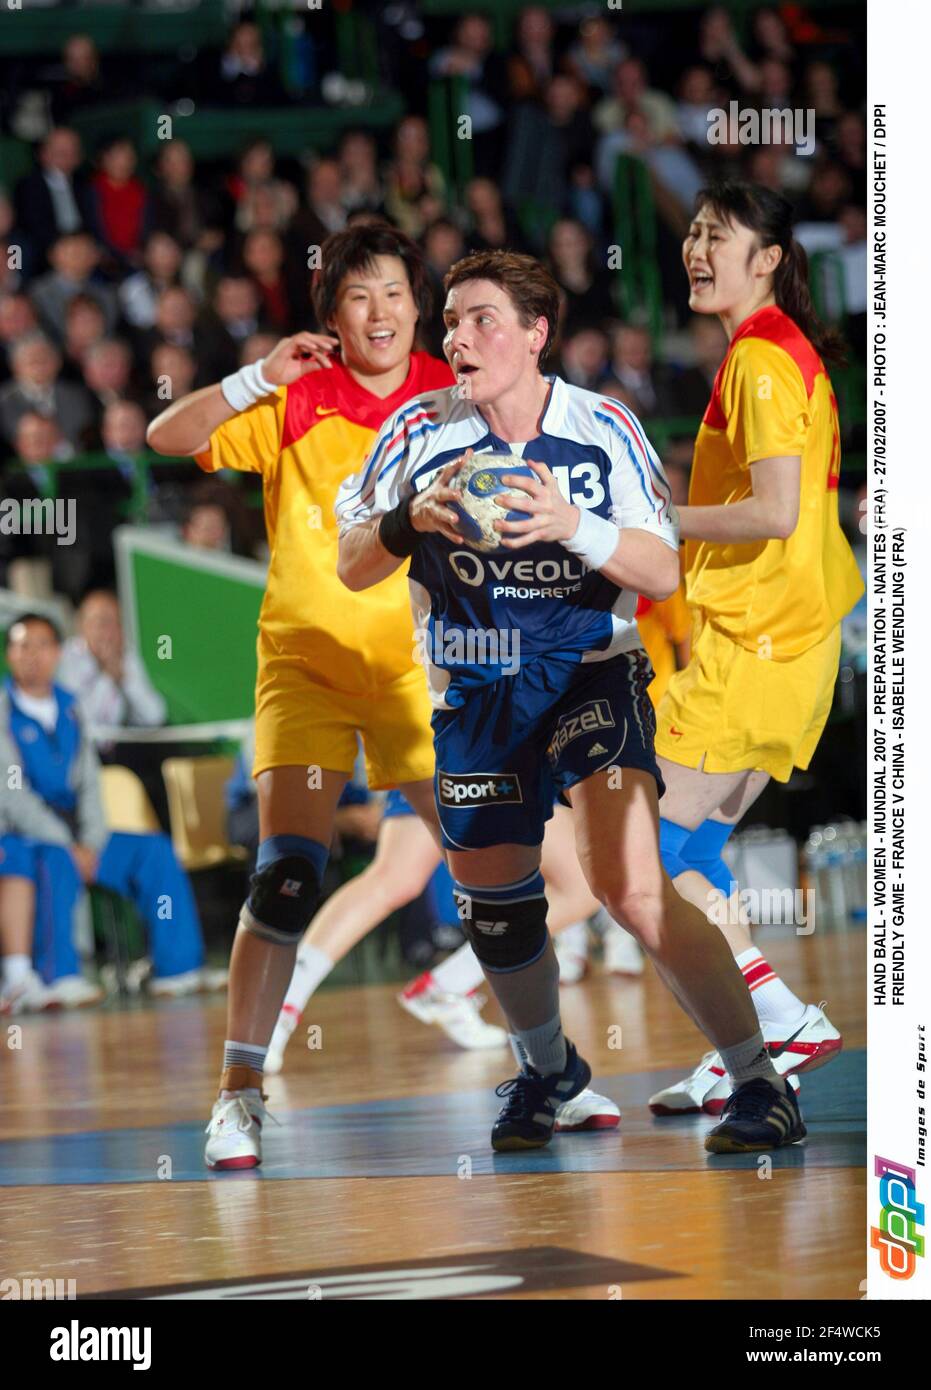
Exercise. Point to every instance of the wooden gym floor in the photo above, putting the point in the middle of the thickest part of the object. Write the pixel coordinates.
(380, 1182)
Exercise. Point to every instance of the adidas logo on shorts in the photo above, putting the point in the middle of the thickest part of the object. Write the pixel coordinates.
(596, 750)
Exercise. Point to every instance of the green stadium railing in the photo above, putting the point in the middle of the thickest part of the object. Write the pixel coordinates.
(446, 102)
(639, 285)
(115, 28)
(214, 133)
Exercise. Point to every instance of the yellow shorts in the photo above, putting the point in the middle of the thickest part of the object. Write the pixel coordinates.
(739, 712)
(300, 722)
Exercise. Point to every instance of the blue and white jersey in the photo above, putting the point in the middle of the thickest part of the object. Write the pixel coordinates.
(471, 609)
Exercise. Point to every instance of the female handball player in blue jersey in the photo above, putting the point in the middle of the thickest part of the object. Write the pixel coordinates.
(573, 716)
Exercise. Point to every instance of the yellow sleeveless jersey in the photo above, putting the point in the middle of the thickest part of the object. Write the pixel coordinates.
(305, 440)
(772, 397)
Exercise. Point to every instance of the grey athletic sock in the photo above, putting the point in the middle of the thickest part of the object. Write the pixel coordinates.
(747, 1060)
(544, 1047)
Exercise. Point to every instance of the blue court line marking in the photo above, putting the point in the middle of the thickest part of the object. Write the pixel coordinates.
(427, 1136)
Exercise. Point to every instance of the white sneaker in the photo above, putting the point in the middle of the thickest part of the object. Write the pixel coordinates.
(28, 996)
(588, 1110)
(174, 986)
(73, 992)
(235, 1131)
(458, 1015)
(288, 1020)
(571, 947)
(707, 1089)
(622, 953)
(808, 1043)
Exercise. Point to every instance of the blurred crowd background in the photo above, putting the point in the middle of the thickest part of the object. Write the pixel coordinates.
(169, 170)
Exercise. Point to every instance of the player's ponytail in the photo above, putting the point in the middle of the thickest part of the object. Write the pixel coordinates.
(770, 216)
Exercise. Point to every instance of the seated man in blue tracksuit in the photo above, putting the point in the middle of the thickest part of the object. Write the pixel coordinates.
(52, 827)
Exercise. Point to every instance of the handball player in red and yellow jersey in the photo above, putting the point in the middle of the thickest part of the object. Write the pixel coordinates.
(331, 663)
(769, 576)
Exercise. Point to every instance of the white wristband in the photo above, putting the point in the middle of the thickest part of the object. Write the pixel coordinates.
(595, 539)
(245, 387)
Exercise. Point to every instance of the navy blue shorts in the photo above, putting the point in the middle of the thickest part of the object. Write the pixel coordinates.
(518, 742)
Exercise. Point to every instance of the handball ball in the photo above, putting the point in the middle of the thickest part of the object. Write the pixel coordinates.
(478, 483)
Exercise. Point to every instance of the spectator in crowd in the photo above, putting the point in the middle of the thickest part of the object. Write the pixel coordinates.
(110, 682)
(38, 441)
(828, 192)
(256, 347)
(562, 127)
(532, 62)
(324, 212)
(411, 178)
(443, 244)
(771, 37)
(85, 324)
(172, 371)
(719, 47)
(36, 387)
(595, 55)
(687, 392)
(471, 55)
(122, 432)
(161, 269)
(775, 90)
(74, 259)
(121, 209)
(632, 370)
(588, 286)
(56, 832)
(245, 78)
(632, 92)
(254, 173)
(182, 207)
(361, 185)
(850, 145)
(283, 299)
(492, 224)
(206, 525)
(52, 201)
(108, 366)
(177, 323)
(80, 83)
(17, 320)
(697, 96)
(234, 316)
(583, 357)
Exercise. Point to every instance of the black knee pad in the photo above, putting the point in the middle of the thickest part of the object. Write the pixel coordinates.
(504, 936)
(283, 898)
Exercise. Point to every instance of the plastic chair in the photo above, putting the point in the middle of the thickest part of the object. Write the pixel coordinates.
(197, 811)
(126, 803)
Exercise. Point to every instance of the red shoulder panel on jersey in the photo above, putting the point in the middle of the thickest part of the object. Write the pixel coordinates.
(773, 325)
(332, 391)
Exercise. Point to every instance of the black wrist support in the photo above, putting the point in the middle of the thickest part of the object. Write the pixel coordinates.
(395, 531)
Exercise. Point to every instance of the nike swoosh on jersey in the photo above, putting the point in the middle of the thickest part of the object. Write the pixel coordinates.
(327, 410)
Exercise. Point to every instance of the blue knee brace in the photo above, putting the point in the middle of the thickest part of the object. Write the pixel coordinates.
(702, 853)
(672, 840)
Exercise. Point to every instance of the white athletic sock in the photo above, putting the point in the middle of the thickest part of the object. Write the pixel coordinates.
(575, 937)
(544, 1046)
(14, 970)
(747, 1060)
(240, 1054)
(773, 1000)
(310, 968)
(460, 973)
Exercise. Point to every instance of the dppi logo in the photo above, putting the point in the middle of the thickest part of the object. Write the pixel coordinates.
(896, 1236)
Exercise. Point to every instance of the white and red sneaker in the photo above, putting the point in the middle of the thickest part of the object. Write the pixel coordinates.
(28, 995)
(459, 1016)
(587, 1111)
(705, 1089)
(571, 947)
(288, 1020)
(234, 1134)
(804, 1045)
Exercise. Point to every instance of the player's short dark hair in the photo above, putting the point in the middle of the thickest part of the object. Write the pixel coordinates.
(31, 618)
(526, 281)
(355, 249)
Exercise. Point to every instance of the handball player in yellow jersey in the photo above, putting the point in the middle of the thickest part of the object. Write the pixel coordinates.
(331, 664)
(769, 576)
